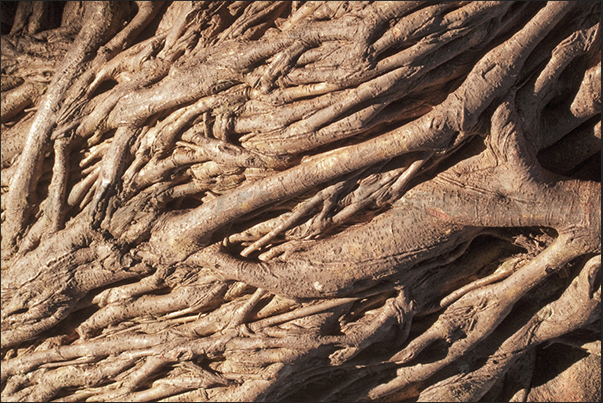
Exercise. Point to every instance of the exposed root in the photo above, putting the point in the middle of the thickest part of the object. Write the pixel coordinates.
(243, 201)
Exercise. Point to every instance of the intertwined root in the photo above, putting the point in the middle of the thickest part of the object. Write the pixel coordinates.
(297, 201)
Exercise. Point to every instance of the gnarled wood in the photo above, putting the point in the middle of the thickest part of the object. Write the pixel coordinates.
(298, 200)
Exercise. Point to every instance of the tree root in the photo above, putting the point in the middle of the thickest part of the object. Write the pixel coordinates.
(298, 201)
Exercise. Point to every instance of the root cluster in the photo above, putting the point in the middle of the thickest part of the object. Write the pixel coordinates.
(241, 201)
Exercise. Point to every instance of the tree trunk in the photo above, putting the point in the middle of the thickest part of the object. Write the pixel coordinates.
(246, 201)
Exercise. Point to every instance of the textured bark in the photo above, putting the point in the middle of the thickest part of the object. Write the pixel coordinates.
(241, 201)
